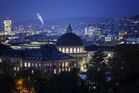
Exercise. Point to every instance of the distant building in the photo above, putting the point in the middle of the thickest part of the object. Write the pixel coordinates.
(92, 31)
(108, 38)
(7, 25)
(72, 44)
(132, 40)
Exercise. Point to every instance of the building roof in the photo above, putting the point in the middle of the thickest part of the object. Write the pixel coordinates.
(69, 39)
(47, 52)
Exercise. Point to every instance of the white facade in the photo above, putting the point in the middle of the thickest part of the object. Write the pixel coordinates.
(7, 25)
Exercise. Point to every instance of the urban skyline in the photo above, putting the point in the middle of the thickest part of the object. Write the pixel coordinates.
(69, 46)
(52, 9)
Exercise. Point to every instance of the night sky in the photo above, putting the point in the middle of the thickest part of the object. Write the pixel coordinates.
(27, 9)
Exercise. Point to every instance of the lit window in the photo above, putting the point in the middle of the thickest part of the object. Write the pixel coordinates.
(25, 64)
(45, 65)
(59, 49)
(36, 65)
(32, 71)
(66, 64)
(29, 65)
(63, 64)
(15, 68)
(32, 64)
(39, 65)
(67, 50)
(109, 55)
(74, 50)
(54, 71)
(0, 60)
(66, 69)
(63, 50)
(21, 63)
(70, 50)
(75, 64)
(78, 50)
(69, 69)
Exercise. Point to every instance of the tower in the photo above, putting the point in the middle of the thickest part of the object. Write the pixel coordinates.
(69, 29)
(7, 25)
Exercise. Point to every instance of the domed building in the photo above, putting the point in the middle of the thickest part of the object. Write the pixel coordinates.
(72, 44)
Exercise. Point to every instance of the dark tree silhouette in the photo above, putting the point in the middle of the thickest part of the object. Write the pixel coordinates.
(97, 66)
(96, 71)
(125, 69)
(7, 84)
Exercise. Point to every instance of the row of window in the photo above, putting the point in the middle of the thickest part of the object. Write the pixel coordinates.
(55, 71)
(71, 50)
(16, 68)
(61, 70)
(28, 64)
(63, 64)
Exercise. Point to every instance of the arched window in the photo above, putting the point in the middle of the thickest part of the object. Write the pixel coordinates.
(25, 64)
(63, 50)
(71, 50)
(78, 50)
(59, 49)
(29, 64)
(67, 50)
(74, 50)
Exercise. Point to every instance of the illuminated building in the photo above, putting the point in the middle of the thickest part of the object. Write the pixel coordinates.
(47, 59)
(92, 31)
(7, 25)
(72, 44)
(108, 39)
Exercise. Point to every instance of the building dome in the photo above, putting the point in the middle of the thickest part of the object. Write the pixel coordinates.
(69, 39)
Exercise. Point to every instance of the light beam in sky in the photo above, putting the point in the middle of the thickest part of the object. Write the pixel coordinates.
(40, 18)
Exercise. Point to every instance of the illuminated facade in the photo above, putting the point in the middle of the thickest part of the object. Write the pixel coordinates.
(47, 59)
(72, 45)
(7, 25)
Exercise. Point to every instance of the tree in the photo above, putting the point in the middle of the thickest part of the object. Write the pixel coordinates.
(7, 84)
(97, 66)
(96, 71)
(125, 71)
(125, 61)
(31, 78)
